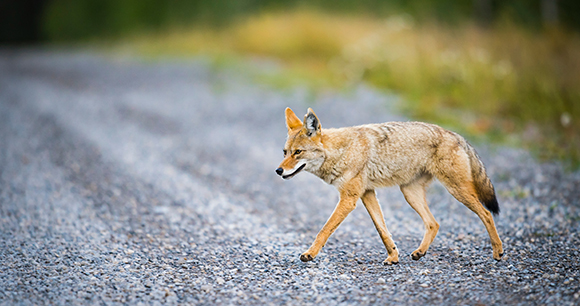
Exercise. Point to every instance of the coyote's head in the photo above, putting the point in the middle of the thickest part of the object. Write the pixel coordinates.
(303, 149)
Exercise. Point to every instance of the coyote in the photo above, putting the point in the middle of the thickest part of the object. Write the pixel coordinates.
(359, 159)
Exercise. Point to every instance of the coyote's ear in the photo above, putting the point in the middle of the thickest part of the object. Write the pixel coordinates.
(311, 123)
(292, 120)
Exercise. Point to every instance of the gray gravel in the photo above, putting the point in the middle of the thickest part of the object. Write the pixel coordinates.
(128, 182)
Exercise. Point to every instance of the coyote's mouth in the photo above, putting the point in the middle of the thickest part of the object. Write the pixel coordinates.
(293, 173)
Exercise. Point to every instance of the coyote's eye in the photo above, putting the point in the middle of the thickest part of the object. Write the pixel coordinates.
(297, 152)
(285, 152)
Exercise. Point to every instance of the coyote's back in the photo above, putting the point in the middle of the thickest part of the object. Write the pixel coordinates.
(398, 152)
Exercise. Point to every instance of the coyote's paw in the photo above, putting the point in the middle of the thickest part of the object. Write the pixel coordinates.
(497, 256)
(393, 258)
(389, 262)
(306, 257)
(416, 255)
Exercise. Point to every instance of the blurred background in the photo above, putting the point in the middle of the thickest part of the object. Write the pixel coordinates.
(506, 71)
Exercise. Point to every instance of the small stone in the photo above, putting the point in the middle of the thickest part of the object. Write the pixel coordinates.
(220, 281)
(381, 281)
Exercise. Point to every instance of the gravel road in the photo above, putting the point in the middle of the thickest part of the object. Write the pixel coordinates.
(124, 181)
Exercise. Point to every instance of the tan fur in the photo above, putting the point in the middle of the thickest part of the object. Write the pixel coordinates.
(359, 159)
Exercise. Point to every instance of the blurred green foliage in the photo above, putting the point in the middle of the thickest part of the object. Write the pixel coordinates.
(81, 19)
(497, 68)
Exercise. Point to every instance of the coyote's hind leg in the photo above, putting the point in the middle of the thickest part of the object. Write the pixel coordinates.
(414, 193)
(458, 179)
(465, 194)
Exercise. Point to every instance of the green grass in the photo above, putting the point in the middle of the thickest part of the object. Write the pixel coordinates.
(503, 83)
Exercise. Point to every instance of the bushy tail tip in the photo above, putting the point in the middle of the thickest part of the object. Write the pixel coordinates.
(491, 204)
(482, 183)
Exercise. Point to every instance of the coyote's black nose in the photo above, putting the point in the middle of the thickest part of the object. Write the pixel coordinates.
(279, 171)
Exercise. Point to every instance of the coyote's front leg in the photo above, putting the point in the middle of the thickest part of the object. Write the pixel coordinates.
(370, 201)
(349, 194)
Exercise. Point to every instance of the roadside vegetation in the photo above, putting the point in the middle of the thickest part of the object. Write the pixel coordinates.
(503, 81)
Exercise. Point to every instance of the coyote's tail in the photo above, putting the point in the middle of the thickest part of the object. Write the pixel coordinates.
(481, 181)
